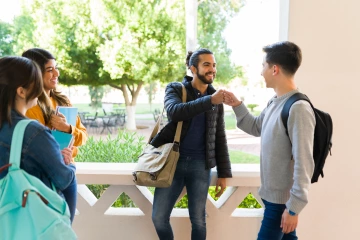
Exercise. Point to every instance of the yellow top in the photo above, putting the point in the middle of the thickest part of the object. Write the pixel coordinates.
(78, 131)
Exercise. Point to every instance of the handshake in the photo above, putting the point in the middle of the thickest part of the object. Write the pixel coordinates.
(224, 96)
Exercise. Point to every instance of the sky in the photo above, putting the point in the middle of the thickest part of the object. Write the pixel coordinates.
(256, 25)
(8, 9)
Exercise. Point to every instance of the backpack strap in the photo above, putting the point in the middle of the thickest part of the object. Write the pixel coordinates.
(16, 144)
(286, 109)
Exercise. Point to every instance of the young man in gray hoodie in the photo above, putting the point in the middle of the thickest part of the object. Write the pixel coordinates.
(286, 162)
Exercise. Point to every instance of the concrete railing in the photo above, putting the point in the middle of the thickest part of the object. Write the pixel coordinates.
(96, 218)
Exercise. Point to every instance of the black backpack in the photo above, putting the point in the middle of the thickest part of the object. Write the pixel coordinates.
(322, 135)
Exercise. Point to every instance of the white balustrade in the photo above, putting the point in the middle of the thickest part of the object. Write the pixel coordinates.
(96, 219)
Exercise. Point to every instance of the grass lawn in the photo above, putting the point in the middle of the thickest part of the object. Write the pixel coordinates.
(241, 157)
(230, 119)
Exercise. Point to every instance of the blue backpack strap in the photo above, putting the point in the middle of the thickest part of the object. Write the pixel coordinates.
(286, 109)
(16, 144)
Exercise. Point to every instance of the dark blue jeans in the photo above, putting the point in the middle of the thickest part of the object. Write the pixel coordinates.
(192, 174)
(270, 226)
(70, 195)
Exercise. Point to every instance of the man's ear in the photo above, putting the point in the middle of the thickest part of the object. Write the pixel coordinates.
(21, 92)
(193, 69)
(275, 69)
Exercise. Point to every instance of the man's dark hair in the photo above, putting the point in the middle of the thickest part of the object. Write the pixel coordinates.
(285, 54)
(192, 58)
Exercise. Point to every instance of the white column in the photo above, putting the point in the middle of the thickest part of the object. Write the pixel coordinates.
(191, 24)
(283, 20)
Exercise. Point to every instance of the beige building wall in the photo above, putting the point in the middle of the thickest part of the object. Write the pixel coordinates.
(328, 32)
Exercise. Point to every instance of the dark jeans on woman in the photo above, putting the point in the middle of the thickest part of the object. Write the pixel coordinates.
(70, 195)
(270, 226)
(191, 173)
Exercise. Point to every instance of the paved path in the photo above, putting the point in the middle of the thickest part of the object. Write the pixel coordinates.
(237, 139)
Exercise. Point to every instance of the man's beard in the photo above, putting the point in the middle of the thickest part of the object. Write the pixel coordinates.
(204, 80)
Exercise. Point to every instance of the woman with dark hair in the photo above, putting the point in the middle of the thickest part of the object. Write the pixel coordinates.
(44, 111)
(20, 86)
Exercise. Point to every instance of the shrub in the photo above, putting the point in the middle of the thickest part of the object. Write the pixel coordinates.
(124, 148)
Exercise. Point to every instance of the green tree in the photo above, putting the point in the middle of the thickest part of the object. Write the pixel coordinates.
(6, 40)
(151, 89)
(213, 17)
(66, 29)
(96, 96)
(23, 32)
(144, 41)
(124, 44)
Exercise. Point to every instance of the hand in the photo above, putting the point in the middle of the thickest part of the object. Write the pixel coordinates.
(59, 123)
(67, 154)
(230, 99)
(288, 222)
(217, 97)
(221, 182)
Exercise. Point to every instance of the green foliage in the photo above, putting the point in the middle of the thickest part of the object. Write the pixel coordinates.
(242, 157)
(252, 106)
(143, 41)
(249, 202)
(6, 40)
(96, 95)
(125, 148)
(151, 89)
(230, 121)
(23, 33)
(213, 17)
(70, 37)
(123, 44)
(122, 201)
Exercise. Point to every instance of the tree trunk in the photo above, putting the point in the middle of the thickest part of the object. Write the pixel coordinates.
(130, 121)
(134, 90)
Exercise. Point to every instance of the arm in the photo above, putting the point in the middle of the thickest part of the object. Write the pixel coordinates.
(245, 121)
(179, 111)
(45, 151)
(301, 124)
(79, 132)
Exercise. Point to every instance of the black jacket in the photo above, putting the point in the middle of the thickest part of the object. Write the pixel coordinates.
(216, 145)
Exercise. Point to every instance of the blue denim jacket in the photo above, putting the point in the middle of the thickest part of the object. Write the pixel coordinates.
(40, 157)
